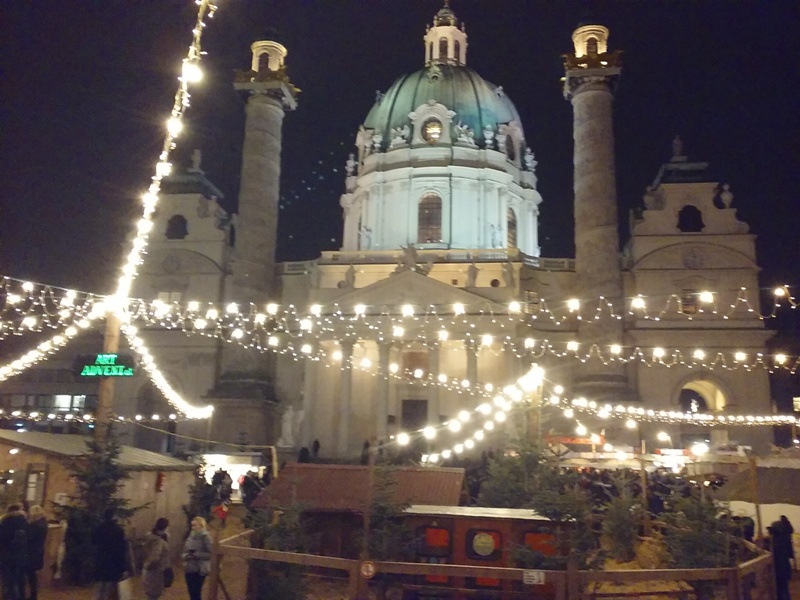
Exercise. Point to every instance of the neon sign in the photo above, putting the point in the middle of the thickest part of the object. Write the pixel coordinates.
(105, 365)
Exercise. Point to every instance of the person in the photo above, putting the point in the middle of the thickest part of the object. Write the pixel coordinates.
(13, 552)
(780, 559)
(789, 530)
(197, 558)
(110, 563)
(156, 560)
(37, 535)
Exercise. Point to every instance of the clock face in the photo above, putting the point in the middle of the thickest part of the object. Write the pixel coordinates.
(432, 131)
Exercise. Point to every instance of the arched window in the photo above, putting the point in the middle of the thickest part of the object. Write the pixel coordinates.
(430, 52)
(429, 219)
(443, 49)
(701, 395)
(177, 228)
(511, 228)
(591, 46)
(263, 62)
(690, 220)
(457, 54)
(432, 130)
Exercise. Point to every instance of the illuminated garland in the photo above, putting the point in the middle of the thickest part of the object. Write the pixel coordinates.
(27, 299)
(190, 73)
(52, 416)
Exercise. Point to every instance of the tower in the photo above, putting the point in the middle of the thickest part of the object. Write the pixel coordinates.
(591, 77)
(269, 93)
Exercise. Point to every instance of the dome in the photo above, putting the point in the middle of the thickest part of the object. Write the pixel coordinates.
(477, 103)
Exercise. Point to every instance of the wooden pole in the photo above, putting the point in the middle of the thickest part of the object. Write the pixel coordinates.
(645, 503)
(213, 576)
(105, 393)
(756, 495)
(362, 585)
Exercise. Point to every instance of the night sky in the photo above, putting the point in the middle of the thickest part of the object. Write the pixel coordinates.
(87, 86)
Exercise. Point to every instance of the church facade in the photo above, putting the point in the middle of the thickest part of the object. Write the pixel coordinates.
(439, 295)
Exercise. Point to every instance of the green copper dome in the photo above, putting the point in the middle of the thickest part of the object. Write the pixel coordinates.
(477, 103)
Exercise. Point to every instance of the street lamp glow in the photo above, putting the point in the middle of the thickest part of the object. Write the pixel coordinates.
(663, 436)
(699, 449)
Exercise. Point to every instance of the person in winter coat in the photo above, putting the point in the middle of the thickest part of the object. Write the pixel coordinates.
(111, 556)
(14, 552)
(197, 557)
(37, 535)
(781, 560)
(156, 560)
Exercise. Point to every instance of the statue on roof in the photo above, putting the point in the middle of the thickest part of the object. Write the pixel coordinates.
(677, 148)
(197, 158)
(350, 165)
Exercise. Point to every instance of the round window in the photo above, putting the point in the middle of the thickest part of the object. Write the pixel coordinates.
(432, 130)
(483, 544)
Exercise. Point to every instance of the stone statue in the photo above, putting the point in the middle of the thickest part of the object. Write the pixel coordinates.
(197, 158)
(501, 140)
(378, 96)
(314, 276)
(350, 276)
(649, 198)
(377, 140)
(287, 428)
(410, 257)
(488, 136)
(726, 196)
(366, 238)
(495, 236)
(400, 135)
(530, 160)
(350, 165)
(464, 134)
(508, 274)
(472, 275)
(677, 148)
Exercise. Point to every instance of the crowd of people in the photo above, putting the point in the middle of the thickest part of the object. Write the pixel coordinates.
(22, 555)
(22, 543)
(113, 566)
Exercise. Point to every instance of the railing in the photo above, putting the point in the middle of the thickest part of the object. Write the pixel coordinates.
(433, 255)
(751, 580)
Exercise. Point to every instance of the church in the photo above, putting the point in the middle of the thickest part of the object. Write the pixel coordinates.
(439, 296)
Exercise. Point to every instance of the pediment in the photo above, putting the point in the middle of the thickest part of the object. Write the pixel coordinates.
(694, 256)
(413, 288)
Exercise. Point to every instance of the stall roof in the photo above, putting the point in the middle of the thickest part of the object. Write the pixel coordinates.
(343, 488)
(483, 512)
(66, 445)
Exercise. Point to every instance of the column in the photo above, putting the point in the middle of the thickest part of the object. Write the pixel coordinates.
(307, 431)
(382, 399)
(345, 398)
(591, 77)
(472, 360)
(434, 411)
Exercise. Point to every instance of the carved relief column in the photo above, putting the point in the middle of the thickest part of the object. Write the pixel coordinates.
(591, 78)
(345, 398)
(433, 390)
(382, 400)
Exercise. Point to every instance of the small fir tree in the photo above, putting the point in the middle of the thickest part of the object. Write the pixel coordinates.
(98, 478)
(622, 518)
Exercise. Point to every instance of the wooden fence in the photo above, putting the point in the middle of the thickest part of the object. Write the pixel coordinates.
(751, 580)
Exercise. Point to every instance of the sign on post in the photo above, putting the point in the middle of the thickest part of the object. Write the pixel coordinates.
(530, 577)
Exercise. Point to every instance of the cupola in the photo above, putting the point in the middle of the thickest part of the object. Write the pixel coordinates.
(445, 41)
